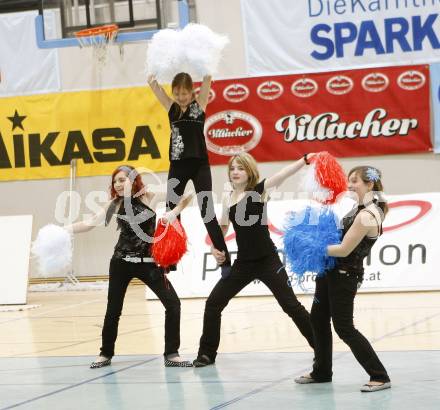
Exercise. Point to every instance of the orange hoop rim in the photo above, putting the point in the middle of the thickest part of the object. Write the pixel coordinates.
(106, 30)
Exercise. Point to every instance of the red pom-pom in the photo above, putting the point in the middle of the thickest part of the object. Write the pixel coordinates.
(169, 244)
(330, 175)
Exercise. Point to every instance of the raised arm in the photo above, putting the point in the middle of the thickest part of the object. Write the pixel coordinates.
(160, 93)
(363, 225)
(277, 179)
(203, 96)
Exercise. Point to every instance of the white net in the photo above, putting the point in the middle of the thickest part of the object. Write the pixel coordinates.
(99, 39)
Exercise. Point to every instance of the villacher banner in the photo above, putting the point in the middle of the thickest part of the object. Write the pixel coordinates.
(347, 113)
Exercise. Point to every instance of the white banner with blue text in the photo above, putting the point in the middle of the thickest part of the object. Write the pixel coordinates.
(285, 36)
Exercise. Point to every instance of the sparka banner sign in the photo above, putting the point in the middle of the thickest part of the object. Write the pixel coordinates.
(284, 36)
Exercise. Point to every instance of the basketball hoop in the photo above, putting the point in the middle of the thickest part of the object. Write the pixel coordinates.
(99, 38)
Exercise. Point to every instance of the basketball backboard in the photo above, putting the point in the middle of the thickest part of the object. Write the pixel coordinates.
(138, 20)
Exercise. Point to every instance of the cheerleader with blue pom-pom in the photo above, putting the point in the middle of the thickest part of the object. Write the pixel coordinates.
(339, 268)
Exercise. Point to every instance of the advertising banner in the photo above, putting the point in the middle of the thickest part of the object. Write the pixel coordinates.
(404, 258)
(435, 99)
(285, 36)
(41, 134)
(348, 113)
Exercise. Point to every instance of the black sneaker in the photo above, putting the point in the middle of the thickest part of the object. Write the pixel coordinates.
(202, 361)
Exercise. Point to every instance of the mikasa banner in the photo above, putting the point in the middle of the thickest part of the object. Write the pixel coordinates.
(406, 257)
(286, 36)
(41, 134)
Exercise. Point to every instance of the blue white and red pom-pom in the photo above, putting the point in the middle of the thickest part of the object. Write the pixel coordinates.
(195, 50)
(169, 243)
(324, 179)
(307, 234)
(53, 250)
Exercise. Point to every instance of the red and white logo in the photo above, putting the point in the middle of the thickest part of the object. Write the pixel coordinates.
(304, 87)
(236, 93)
(421, 207)
(339, 85)
(211, 95)
(375, 82)
(411, 80)
(270, 90)
(232, 132)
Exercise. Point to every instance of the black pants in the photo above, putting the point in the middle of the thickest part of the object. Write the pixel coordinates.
(271, 272)
(334, 299)
(121, 273)
(199, 172)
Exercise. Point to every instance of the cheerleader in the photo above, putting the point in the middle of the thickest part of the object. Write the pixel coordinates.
(188, 153)
(336, 290)
(135, 208)
(257, 257)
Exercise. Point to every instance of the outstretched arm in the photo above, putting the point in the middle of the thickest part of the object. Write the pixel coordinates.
(90, 223)
(282, 175)
(159, 92)
(202, 99)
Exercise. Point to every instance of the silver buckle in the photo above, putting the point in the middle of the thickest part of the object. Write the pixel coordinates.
(137, 259)
(132, 259)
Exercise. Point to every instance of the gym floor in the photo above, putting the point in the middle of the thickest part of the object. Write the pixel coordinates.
(46, 352)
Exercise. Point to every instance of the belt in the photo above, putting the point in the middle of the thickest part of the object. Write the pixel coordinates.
(136, 259)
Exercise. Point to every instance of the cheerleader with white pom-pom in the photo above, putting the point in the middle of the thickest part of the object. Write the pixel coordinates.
(336, 289)
(188, 153)
(257, 257)
(134, 208)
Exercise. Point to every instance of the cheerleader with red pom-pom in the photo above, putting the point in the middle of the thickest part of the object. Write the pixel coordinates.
(134, 207)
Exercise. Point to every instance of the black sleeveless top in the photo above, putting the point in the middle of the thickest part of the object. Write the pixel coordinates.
(249, 218)
(137, 225)
(354, 263)
(187, 137)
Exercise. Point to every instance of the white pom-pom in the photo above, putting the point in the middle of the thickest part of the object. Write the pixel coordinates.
(202, 49)
(195, 50)
(53, 249)
(164, 55)
(310, 184)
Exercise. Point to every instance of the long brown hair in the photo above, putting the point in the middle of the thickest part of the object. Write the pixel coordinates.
(371, 174)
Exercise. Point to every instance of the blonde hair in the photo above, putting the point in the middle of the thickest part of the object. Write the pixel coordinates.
(249, 164)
